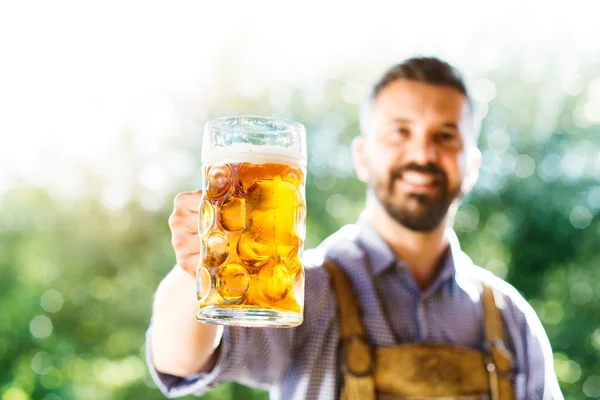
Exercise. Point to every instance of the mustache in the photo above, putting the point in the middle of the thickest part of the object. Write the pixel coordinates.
(429, 168)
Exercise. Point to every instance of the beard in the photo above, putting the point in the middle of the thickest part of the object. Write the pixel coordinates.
(418, 212)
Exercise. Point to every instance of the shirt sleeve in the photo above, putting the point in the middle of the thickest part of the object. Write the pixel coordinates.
(256, 357)
(540, 378)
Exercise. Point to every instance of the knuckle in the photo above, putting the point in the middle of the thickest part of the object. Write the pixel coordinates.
(180, 198)
(178, 242)
(187, 264)
(175, 223)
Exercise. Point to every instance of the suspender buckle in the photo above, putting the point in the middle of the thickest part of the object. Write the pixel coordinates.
(357, 355)
(493, 369)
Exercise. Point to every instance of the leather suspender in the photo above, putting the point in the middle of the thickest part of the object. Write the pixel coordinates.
(499, 361)
(358, 356)
(356, 352)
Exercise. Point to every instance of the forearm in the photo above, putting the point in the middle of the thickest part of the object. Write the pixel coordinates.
(180, 344)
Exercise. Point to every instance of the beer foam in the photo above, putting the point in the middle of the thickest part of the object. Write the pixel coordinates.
(253, 154)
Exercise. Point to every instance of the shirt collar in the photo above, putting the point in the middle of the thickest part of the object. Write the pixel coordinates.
(378, 251)
(382, 257)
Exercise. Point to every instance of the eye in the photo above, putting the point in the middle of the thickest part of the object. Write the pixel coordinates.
(402, 131)
(446, 137)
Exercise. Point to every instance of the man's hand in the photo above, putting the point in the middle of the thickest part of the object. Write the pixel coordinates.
(180, 344)
(184, 230)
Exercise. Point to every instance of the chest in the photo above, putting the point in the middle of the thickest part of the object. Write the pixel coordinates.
(395, 312)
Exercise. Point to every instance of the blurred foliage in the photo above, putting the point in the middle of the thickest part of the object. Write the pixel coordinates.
(77, 277)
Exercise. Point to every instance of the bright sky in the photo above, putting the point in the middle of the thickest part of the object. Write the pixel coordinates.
(75, 75)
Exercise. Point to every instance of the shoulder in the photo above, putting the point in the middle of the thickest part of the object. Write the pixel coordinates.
(341, 248)
(509, 300)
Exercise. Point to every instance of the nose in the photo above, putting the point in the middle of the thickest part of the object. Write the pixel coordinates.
(421, 150)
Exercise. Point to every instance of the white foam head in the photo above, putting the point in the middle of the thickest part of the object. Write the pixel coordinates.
(253, 154)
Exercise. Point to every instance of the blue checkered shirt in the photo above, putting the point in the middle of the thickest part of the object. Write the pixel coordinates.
(301, 362)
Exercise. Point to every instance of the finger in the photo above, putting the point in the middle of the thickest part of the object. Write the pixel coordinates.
(185, 244)
(189, 264)
(184, 223)
(189, 201)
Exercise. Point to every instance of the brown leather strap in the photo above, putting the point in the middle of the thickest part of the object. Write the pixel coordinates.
(356, 352)
(499, 364)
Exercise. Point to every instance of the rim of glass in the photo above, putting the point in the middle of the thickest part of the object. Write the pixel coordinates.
(286, 124)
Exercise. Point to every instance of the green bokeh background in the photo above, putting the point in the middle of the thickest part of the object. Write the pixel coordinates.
(77, 277)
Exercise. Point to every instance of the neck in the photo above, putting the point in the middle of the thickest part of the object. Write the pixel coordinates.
(421, 251)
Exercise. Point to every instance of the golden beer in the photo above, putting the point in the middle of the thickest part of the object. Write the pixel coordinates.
(252, 231)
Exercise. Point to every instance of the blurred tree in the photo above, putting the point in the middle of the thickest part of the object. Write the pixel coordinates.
(77, 277)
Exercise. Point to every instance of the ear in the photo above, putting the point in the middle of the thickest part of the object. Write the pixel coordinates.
(359, 155)
(472, 169)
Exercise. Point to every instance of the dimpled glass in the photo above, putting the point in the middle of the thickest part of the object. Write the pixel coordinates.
(252, 222)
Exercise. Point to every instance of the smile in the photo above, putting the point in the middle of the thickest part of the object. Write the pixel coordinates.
(419, 179)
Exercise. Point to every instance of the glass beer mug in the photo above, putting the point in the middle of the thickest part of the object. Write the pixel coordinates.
(252, 222)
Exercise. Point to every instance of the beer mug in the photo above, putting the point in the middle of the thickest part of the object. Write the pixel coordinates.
(252, 222)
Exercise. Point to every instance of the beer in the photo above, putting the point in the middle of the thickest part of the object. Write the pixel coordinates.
(252, 230)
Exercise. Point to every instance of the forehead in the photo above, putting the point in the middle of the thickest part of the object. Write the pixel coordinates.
(411, 99)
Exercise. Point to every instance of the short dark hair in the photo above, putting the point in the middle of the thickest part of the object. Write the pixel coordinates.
(430, 70)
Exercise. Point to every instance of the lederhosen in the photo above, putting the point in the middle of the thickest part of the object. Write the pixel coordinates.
(419, 370)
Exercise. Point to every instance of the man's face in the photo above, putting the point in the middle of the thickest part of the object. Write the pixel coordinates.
(412, 155)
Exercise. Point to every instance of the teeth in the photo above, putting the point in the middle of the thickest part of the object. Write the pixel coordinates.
(418, 179)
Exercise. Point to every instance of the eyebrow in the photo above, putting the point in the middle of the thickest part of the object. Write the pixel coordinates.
(450, 125)
(408, 120)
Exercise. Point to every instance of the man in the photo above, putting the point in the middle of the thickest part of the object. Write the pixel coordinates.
(394, 308)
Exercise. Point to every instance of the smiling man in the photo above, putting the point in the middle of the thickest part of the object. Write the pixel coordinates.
(394, 308)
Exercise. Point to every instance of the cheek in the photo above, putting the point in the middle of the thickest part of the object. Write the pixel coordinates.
(380, 165)
(382, 157)
(456, 169)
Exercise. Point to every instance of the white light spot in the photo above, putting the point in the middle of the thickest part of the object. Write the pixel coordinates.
(115, 196)
(579, 118)
(594, 197)
(101, 288)
(52, 301)
(326, 183)
(580, 217)
(553, 312)
(152, 201)
(499, 223)
(484, 90)
(467, 218)
(353, 92)
(153, 177)
(568, 371)
(498, 141)
(591, 386)
(118, 373)
(337, 206)
(524, 166)
(334, 122)
(181, 165)
(551, 168)
(581, 293)
(573, 85)
(15, 393)
(41, 327)
(573, 164)
(79, 294)
(41, 363)
(591, 111)
(595, 338)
